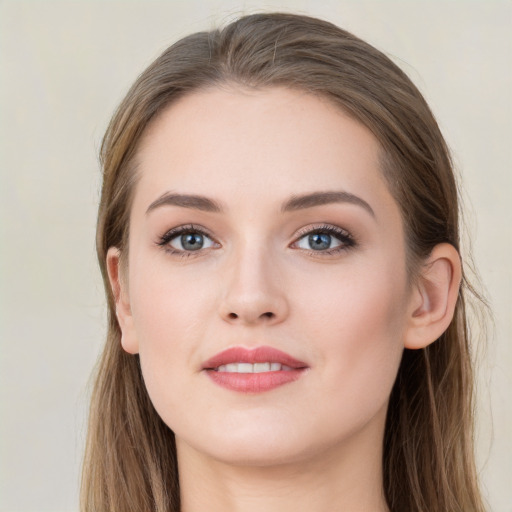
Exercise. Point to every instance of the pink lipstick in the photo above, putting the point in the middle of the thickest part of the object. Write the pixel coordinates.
(253, 370)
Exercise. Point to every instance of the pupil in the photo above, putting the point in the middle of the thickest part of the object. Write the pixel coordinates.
(320, 241)
(192, 241)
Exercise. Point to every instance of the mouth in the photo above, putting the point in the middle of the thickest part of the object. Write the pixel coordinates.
(253, 370)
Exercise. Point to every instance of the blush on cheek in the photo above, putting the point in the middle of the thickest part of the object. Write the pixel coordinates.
(365, 344)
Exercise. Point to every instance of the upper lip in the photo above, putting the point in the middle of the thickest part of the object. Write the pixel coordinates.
(261, 354)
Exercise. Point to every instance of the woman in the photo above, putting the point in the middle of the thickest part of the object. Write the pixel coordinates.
(278, 235)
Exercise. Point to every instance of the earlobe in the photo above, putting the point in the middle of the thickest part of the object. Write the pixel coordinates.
(434, 297)
(121, 297)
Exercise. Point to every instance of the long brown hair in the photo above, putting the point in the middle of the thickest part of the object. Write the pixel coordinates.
(428, 463)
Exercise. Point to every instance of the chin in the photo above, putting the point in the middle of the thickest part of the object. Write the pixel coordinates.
(255, 443)
(259, 454)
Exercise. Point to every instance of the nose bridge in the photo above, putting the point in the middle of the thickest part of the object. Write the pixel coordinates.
(254, 291)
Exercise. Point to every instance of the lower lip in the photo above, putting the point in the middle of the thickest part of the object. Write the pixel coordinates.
(254, 382)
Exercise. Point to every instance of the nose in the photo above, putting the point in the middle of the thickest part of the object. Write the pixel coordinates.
(254, 291)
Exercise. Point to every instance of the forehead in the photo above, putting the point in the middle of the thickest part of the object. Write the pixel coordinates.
(257, 146)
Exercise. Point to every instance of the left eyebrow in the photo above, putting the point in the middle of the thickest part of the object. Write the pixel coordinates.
(321, 198)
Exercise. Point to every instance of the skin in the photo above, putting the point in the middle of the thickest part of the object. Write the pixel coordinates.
(348, 314)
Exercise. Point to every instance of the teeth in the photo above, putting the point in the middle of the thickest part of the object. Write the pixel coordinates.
(261, 367)
(245, 368)
(253, 368)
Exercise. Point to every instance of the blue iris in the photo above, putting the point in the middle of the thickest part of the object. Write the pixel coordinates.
(319, 241)
(192, 241)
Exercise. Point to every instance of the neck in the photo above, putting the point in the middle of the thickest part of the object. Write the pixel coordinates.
(344, 478)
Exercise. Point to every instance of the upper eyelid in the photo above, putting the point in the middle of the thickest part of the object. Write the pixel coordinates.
(187, 228)
(322, 227)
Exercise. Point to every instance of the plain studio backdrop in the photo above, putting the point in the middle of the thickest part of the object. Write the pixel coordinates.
(64, 66)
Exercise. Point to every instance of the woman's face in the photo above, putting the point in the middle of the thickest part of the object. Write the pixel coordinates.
(262, 221)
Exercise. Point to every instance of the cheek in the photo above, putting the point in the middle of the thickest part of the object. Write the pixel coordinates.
(169, 318)
(358, 331)
(168, 304)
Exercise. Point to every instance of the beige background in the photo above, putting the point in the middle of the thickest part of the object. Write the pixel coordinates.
(64, 66)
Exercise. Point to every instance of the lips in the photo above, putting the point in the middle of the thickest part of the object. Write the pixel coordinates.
(253, 370)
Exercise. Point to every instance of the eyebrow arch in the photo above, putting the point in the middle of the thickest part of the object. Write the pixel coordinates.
(185, 201)
(321, 198)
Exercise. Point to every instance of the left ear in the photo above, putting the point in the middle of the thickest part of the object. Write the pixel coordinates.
(434, 297)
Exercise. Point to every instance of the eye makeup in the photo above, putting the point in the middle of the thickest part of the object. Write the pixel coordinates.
(322, 240)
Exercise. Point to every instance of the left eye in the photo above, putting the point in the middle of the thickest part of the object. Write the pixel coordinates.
(318, 242)
(324, 240)
(190, 241)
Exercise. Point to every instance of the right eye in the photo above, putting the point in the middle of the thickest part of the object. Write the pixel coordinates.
(186, 239)
(192, 241)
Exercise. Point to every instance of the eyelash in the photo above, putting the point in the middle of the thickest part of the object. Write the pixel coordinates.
(343, 236)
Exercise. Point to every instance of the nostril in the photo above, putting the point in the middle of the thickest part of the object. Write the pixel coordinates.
(268, 314)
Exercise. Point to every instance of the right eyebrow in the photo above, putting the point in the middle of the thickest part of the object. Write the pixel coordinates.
(185, 201)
